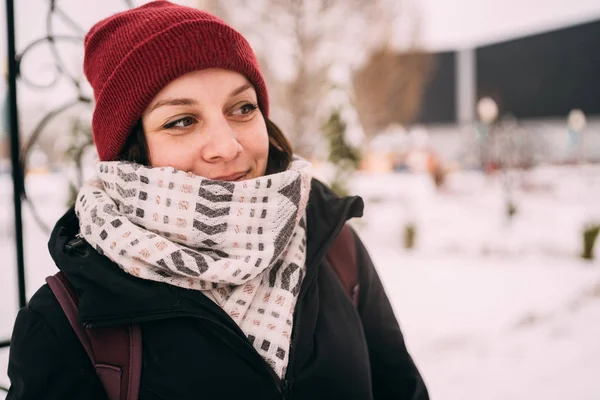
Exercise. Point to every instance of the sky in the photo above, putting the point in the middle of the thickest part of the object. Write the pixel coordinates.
(467, 23)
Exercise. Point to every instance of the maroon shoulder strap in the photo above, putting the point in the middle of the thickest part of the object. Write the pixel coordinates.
(115, 351)
(342, 258)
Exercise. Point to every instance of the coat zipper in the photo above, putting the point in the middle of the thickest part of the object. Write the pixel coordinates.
(286, 383)
(74, 244)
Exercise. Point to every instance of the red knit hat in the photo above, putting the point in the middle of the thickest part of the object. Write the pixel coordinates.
(131, 56)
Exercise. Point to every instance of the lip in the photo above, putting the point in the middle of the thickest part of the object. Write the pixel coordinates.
(233, 177)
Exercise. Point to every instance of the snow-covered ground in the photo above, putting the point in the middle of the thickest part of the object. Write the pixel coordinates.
(490, 309)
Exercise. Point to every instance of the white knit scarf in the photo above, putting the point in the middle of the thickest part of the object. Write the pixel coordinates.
(242, 243)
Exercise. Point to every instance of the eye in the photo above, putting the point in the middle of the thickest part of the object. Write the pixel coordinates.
(245, 109)
(180, 123)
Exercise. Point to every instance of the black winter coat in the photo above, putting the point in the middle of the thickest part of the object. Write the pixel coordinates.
(193, 350)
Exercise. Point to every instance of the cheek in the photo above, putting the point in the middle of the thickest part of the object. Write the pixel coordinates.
(166, 152)
(256, 146)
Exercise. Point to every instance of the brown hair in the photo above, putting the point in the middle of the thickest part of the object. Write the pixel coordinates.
(280, 149)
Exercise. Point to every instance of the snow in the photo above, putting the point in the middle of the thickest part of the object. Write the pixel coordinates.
(490, 309)
(488, 330)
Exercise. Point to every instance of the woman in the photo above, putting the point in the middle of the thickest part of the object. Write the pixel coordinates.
(204, 229)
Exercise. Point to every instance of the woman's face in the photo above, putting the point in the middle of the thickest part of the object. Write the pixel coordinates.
(207, 122)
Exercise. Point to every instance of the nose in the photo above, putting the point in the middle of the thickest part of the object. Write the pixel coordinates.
(220, 143)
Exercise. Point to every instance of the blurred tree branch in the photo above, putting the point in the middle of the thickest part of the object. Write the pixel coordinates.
(301, 44)
(389, 88)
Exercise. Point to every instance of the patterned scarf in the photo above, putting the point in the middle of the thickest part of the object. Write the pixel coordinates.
(243, 244)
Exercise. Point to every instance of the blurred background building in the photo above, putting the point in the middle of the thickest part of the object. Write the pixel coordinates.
(471, 128)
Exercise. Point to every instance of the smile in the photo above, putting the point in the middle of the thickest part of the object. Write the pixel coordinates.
(239, 176)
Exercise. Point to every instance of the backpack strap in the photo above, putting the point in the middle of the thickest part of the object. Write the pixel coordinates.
(342, 258)
(115, 351)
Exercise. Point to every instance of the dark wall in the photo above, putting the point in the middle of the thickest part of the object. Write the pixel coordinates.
(439, 100)
(543, 75)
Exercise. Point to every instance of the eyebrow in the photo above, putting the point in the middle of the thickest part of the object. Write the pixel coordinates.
(192, 102)
(241, 89)
(173, 102)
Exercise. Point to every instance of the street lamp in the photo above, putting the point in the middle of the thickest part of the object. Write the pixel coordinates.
(487, 109)
(576, 122)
